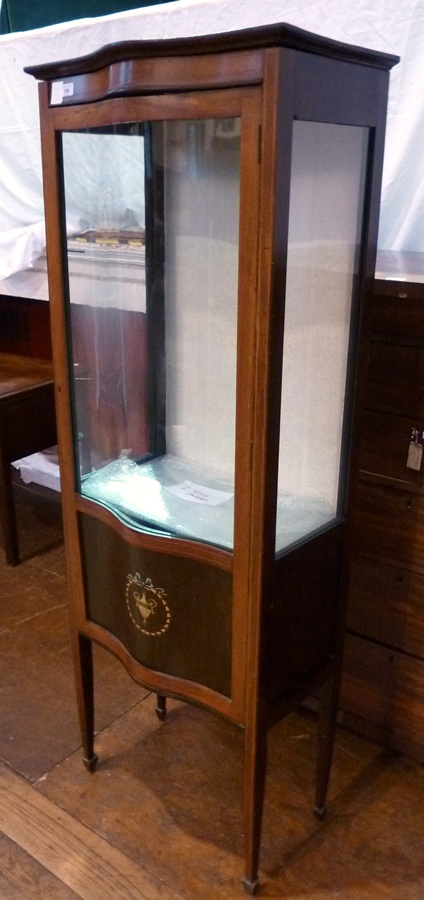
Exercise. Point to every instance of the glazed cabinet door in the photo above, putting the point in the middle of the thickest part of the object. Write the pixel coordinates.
(154, 399)
(159, 300)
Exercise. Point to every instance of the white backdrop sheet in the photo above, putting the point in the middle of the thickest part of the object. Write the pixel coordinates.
(385, 25)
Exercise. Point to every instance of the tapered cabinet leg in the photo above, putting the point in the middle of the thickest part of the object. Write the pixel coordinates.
(83, 664)
(325, 741)
(254, 789)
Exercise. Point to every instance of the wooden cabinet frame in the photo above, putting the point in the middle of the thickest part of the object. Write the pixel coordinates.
(287, 620)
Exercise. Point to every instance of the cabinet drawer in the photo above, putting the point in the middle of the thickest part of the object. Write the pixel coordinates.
(394, 377)
(383, 695)
(368, 683)
(386, 603)
(397, 309)
(390, 524)
(385, 442)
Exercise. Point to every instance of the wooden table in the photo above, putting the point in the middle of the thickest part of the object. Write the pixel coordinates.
(27, 425)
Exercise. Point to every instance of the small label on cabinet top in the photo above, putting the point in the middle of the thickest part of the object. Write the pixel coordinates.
(61, 89)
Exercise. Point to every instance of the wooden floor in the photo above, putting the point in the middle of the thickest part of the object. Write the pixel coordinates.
(160, 819)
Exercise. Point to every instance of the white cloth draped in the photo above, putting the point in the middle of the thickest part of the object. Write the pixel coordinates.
(385, 25)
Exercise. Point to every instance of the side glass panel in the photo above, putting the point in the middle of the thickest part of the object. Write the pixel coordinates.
(152, 257)
(325, 219)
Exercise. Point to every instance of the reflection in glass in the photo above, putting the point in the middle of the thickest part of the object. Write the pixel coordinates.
(326, 206)
(152, 253)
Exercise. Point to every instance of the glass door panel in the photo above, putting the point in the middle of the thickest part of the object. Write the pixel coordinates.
(325, 221)
(152, 218)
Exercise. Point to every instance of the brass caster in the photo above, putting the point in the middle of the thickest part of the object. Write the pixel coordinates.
(90, 762)
(320, 811)
(250, 886)
(160, 708)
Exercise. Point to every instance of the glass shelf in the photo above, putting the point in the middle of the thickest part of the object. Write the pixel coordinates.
(175, 497)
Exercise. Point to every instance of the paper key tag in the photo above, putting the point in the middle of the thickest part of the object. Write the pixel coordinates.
(415, 455)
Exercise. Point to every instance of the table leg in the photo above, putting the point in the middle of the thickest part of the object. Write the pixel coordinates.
(7, 513)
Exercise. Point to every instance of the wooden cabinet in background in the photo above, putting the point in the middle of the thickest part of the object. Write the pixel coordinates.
(383, 684)
(25, 327)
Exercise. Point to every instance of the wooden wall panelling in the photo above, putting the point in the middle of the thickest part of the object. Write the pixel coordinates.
(383, 685)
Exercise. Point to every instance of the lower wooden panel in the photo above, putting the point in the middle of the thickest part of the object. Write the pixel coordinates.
(300, 629)
(172, 614)
(382, 695)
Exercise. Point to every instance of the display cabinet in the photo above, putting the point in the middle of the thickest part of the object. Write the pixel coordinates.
(211, 208)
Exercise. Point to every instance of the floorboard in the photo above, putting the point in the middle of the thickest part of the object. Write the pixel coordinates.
(23, 878)
(80, 859)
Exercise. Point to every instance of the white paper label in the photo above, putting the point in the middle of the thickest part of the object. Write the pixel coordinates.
(197, 493)
(61, 89)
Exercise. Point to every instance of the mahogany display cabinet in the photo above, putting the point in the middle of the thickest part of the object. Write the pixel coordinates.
(211, 208)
